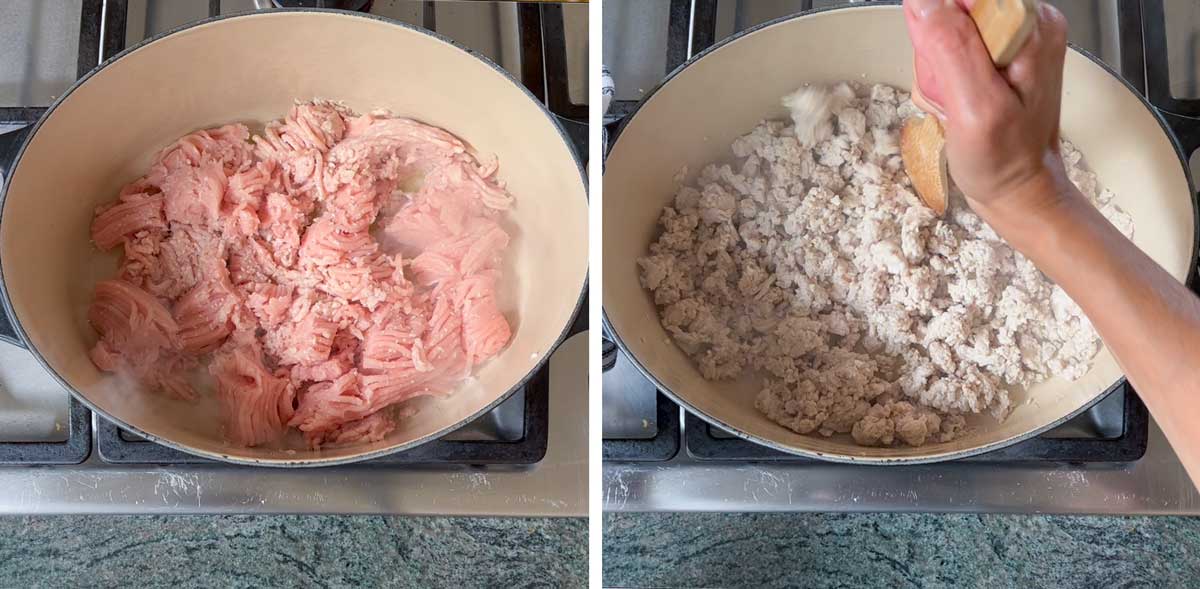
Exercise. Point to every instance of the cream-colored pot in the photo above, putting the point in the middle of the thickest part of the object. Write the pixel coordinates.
(696, 114)
(104, 131)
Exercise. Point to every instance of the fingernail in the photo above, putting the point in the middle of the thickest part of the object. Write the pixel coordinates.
(926, 8)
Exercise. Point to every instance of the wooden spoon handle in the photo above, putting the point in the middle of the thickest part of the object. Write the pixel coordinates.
(1004, 25)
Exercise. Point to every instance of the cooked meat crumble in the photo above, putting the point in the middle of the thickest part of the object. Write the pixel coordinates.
(809, 260)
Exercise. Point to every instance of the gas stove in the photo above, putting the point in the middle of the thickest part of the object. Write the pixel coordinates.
(524, 458)
(1112, 458)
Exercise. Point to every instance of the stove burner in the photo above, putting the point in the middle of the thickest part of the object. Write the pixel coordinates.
(357, 5)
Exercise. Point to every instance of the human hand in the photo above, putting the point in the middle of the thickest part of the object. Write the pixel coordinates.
(1001, 125)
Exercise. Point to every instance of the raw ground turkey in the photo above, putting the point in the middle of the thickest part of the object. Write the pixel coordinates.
(320, 273)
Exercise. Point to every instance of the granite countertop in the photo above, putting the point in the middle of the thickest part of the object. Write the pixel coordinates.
(899, 550)
(291, 551)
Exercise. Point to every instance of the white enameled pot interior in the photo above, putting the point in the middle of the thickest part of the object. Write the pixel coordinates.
(694, 117)
(251, 69)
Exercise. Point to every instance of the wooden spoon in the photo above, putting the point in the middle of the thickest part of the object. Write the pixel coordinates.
(1004, 25)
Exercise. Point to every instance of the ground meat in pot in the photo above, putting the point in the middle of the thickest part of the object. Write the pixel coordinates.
(807, 259)
(325, 272)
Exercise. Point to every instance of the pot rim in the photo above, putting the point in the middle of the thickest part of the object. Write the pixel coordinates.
(1192, 278)
(542, 359)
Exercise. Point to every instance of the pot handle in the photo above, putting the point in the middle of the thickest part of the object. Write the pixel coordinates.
(10, 143)
(608, 353)
(7, 333)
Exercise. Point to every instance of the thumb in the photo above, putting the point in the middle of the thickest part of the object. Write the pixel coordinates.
(926, 82)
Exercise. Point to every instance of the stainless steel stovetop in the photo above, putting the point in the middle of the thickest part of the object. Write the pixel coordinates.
(1112, 459)
(45, 46)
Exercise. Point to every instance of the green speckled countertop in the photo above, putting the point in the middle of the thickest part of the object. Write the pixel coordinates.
(899, 550)
(291, 551)
(641, 550)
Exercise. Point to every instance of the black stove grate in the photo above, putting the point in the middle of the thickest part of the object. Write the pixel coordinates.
(75, 449)
(1153, 73)
(663, 446)
(116, 446)
(102, 35)
(1143, 45)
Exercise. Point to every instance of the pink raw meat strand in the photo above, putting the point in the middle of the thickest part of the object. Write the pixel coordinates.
(258, 257)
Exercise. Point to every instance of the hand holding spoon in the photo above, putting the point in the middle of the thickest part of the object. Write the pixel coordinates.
(1004, 25)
